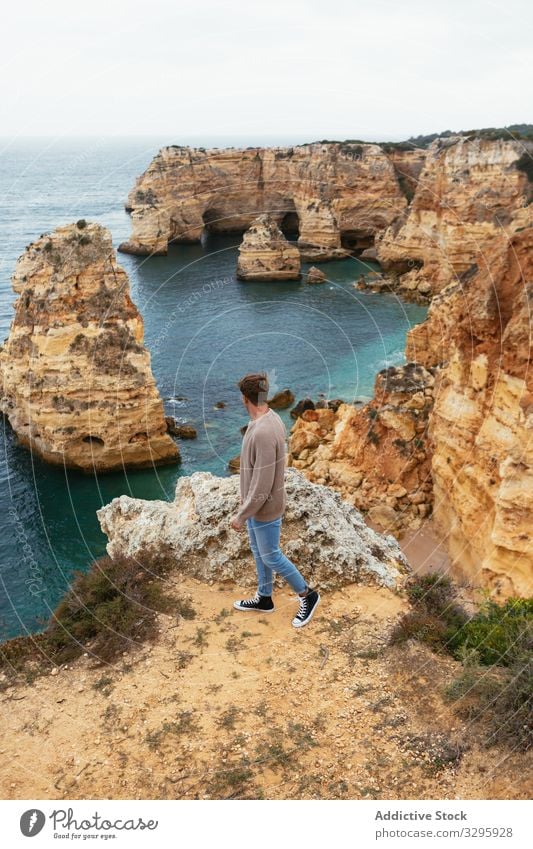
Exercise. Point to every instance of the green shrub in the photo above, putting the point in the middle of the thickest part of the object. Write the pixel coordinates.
(497, 631)
(107, 610)
(435, 616)
(502, 696)
(525, 164)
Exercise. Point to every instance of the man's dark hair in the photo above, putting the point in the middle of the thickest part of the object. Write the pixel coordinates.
(254, 387)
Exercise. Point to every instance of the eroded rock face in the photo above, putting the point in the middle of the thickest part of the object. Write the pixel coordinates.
(76, 382)
(377, 455)
(408, 165)
(479, 331)
(467, 192)
(265, 253)
(324, 536)
(329, 195)
(412, 286)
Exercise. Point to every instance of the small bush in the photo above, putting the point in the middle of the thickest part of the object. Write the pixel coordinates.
(107, 610)
(496, 631)
(525, 164)
(495, 648)
(502, 696)
(435, 617)
(229, 717)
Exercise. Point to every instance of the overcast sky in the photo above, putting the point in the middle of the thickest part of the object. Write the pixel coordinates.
(302, 69)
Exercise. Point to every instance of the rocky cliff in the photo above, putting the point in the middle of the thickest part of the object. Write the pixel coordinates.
(479, 331)
(468, 193)
(322, 533)
(329, 195)
(449, 434)
(265, 253)
(408, 165)
(375, 455)
(75, 377)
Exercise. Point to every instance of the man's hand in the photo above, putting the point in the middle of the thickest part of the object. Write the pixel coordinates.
(236, 524)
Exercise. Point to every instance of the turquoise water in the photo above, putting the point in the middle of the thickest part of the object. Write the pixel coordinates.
(204, 330)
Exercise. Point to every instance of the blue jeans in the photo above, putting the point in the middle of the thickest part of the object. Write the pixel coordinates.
(264, 542)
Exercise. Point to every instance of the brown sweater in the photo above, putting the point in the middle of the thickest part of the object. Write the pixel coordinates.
(262, 472)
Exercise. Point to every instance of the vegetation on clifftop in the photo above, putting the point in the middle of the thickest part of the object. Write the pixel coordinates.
(495, 647)
(108, 610)
(520, 132)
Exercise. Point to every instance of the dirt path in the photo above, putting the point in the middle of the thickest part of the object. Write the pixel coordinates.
(241, 705)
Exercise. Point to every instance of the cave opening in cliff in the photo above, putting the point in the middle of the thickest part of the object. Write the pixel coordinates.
(357, 241)
(218, 221)
(93, 440)
(290, 225)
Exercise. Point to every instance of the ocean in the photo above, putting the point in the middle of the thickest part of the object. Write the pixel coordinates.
(204, 330)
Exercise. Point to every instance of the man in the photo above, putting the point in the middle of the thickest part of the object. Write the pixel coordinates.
(263, 501)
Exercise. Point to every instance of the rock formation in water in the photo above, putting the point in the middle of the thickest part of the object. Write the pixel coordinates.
(265, 253)
(315, 275)
(468, 193)
(280, 400)
(75, 378)
(376, 455)
(479, 331)
(411, 287)
(322, 533)
(330, 195)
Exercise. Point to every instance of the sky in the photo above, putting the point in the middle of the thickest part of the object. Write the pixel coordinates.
(297, 70)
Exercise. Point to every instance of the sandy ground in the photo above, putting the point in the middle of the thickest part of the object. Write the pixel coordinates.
(237, 704)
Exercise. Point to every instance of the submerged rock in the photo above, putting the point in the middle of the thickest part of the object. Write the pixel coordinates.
(234, 465)
(184, 431)
(76, 381)
(324, 535)
(302, 406)
(314, 275)
(281, 399)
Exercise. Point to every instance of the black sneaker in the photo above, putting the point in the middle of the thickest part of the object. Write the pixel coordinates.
(308, 605)
(263, 603)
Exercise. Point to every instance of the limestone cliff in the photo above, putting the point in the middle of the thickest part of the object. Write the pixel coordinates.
(75, 378)
(479, 330)
(265, 253)
(323, 533)
(376, 456)
(408, 165)
(329, 195)
(468, 193)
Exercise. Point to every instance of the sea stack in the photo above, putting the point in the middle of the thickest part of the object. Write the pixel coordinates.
(76, 380)
(265, 253)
